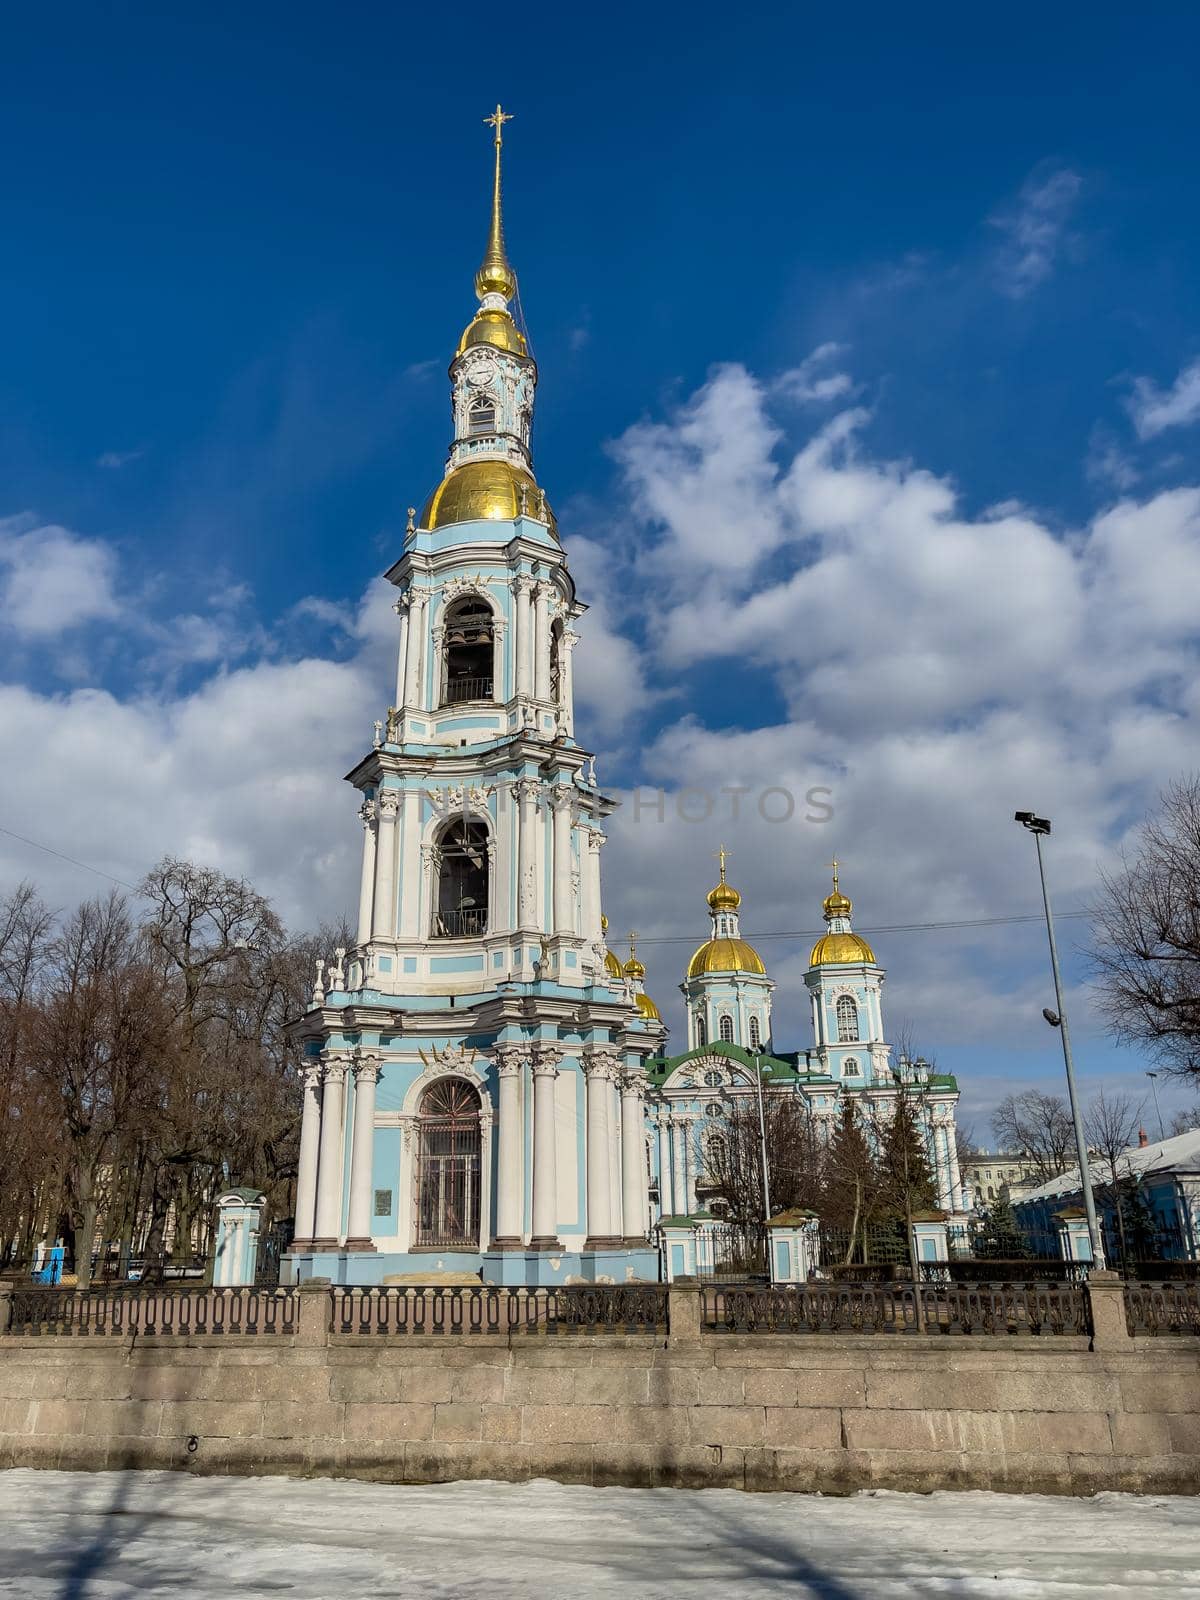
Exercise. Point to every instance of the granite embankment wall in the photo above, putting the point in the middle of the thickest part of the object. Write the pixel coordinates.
(813, 1412)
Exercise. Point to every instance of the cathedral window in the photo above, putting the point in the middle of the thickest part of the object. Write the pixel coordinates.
(850, 1067)
(469, 651)
(448, 1166)
(847, 1020)
(716, 1155)
(461, 906)
(726, 1028)
(481, 417)
(701, 1031)
(755, 1035)
(712, 1078)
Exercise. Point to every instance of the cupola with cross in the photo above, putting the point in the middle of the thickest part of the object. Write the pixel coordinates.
(845, 985)
(727, 990)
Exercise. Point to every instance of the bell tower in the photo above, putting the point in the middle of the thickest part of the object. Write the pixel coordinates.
(480, 951)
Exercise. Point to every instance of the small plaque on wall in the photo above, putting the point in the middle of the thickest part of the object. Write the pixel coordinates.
(383, 1202)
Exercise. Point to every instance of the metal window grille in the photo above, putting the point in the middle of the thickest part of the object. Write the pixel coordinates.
(448, 1167)
(847, 1020)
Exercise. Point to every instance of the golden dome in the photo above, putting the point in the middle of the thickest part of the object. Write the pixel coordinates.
(496, 328)
(612, 965)
(484, 491)
(724, 897)
(648, 1009)
(726, 955)
(634, 968)
(835, 948)
(836, 905)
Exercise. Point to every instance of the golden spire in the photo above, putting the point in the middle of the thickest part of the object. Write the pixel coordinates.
(496, 275)
(633, 967)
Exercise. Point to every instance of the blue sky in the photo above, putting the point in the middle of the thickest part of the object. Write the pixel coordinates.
(869, 406)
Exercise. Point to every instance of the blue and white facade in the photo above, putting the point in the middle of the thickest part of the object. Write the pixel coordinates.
(475, 1068)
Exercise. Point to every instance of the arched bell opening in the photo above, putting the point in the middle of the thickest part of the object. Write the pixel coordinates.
(460, 906)
(469, 652)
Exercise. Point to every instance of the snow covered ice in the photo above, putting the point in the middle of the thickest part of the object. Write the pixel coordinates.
(109, 1536)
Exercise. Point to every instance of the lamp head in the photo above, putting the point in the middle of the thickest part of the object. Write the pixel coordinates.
(1052, 1017)
(1033, 823)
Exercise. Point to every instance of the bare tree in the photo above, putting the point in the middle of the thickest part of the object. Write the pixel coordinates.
(1146, 935)
(1039, 1126)
(1111, 1123)
(731, 1156)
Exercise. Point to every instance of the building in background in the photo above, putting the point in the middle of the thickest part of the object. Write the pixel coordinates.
(988, 1178)
(730, 1036)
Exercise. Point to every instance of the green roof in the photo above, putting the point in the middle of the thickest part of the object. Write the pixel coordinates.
(660, 1068)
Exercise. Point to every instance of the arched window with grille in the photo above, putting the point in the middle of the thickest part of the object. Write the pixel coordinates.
(448, 1166)
(469, 651)
(755, 1034)
(847, 1020)
(460, 908)
(726, 1028)
(850, 1067)
(716, 1155)
(556, 656)
(701, 1031)
(481, 416)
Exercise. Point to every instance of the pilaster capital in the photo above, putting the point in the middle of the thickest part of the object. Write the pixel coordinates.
(389, 804)
(547, 1059)
(526, 790)
(596, 838)
(633, 1087)
(368, 811)
(336, 1064)
(311, 1073)
(366, 1066)
(602, 1064)
(562, 796)
(542, 590)
(522, 584)
(511, 1058)
(569, 639)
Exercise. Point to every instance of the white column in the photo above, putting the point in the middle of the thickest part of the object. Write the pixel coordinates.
(329, 1168)
(524, 640)
(666, 1195)
(384, 919)
(955, 1174)
(593, 842)
(598, 1071)
(502, 688)
(414, 639)
(564, 900)
(678, 1184)
(616, 1201)
(358, 1230)
(566, 680)
(366, 887)
(408, 848)
(525, 792)
(545, 1151)
(310, 1138)
(634, 1220)
(485, 1177)
(402, 651)
(541, 641)
(510, 1188)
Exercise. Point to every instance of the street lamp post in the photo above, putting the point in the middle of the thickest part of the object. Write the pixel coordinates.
(1038, 826)
(1153, 1076)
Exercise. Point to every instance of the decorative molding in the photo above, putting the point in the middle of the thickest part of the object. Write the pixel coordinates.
(389, 804)
(367, 1066)
(511, 1059)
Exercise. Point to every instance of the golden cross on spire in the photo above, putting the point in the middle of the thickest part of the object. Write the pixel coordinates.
(633, 939)
(497, 120)
(834, 864)
(722, 856)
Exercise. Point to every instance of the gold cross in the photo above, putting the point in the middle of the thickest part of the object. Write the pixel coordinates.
(497, 120)
(834, 865)
(722, 856)
(633, 939)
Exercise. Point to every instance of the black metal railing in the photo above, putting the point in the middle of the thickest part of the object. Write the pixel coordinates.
(469, 923)
(579, 1308)
(981, 1270)
(460, 689)
(1153, 1309)
(897, 1308)
(148, 1311)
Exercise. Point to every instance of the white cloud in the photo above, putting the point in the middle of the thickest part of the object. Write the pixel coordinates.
(114, 460)
(1154, 410)
(1034, 230)
(52, 581)
(811, 382)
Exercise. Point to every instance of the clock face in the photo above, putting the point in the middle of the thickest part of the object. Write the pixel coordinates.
(482, 372)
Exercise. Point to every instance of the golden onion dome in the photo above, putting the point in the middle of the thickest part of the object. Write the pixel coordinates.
(836, 905)
(724, 897)
(835, 948)
(647, 1008)
(612, 965)
(485, 490)
(634, 968)
(496, 328)
(726, 955)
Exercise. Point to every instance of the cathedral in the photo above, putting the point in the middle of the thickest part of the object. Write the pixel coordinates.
(486, 1086)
